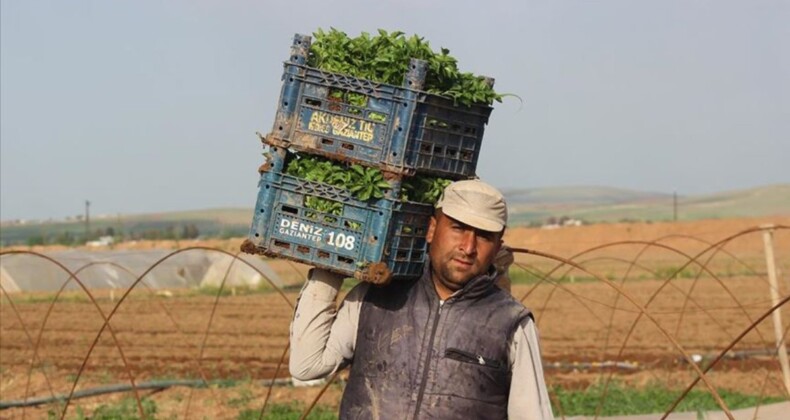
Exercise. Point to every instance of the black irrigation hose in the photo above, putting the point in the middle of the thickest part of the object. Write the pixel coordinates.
(110, 389)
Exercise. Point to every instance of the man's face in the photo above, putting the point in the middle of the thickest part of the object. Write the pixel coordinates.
(459, 252)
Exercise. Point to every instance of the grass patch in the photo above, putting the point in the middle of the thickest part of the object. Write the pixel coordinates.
(663, 273)
(292, 411)
(101, 296)
(126, 409)
(262, 289)
(622, 399)
(520, 276)
(243, 399)
(65, 297)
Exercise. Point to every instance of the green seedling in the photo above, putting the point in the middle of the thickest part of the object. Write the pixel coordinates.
(385, 58)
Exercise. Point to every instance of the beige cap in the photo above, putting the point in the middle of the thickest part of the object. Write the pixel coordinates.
(474, 203)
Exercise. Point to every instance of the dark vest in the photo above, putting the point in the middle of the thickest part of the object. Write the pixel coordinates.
(415, 360)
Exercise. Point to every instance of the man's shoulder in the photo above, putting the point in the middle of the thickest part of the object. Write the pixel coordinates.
(394, 287)
(391, 296)
(508, 302)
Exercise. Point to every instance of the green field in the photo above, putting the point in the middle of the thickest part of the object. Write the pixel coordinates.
(611, 205)
(532, 206)
(173, 225)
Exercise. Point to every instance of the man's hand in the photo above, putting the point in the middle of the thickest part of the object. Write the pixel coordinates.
(376, 273)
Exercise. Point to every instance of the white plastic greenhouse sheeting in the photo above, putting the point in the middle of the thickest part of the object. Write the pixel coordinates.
(119, 270)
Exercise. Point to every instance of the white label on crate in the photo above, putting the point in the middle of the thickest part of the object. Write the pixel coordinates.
(301, 230)
(314, 233)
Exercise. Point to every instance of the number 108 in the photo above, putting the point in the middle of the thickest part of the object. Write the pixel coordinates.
(341, 240)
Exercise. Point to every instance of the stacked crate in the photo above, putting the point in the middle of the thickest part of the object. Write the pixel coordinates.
(401, 130)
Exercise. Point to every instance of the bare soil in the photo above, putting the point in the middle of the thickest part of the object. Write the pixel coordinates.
(583, 321)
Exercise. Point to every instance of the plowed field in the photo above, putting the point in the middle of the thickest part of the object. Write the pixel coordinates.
(582, 321)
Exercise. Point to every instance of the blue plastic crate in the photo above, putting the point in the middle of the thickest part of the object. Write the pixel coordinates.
(399, 129)
(373, 241)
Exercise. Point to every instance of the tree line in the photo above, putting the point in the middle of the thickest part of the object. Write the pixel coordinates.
(171, 231)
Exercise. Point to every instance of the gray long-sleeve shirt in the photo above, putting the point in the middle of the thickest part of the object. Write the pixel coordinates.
(323, 337)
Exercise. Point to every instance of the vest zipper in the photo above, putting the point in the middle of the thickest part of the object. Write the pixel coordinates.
(426, 367)
(468, 357)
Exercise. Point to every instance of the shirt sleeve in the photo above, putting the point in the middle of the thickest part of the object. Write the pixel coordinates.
(528, 398)
(322, 336)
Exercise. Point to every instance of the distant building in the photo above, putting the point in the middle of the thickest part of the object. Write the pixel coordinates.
(102, 241)
(564, 221)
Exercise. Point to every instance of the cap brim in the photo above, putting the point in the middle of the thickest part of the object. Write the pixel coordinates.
(463, 215)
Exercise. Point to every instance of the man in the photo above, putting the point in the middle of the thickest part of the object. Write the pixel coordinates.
(448, 345)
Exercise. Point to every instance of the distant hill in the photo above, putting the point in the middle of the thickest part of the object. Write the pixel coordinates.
(527, 206)
(600, 204)
(580, 196)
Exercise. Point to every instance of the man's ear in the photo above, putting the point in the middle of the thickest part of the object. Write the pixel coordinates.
(431, 229)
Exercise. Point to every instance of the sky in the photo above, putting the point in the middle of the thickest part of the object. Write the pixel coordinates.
(148, 106)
